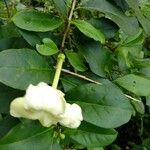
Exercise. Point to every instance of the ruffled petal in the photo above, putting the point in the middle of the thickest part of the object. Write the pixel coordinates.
(17, 110)
(72, 117)
(44, 97)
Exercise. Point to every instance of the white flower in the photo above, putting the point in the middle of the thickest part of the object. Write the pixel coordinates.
(17, 109)
(72, 116)
(46, 104)
(44, 97)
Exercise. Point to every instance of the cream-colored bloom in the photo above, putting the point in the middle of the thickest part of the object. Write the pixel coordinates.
(18, 110)
(45, 97)
(72, 116)
(46, 104)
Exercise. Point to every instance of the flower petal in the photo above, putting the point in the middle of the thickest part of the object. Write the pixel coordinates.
(44, 97)
(72, 116)
(17, 110)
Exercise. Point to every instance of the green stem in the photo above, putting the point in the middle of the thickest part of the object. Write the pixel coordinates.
(60, 60)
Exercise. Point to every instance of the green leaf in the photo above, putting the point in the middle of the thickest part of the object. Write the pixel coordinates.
(145, 71)
(89, 30)
(106, 25)
(32, 20)
(136, 84)
(134, 4)
(138, 106)
(62, 6)
(128, 24)
(29, 137)
(31, 37)
(76, 61)
(8, 31)
(21, 67)
(146, 144)
(7, 94)
(134, 40)
(102, 105)
(92, 136)
(139, 63)
(6, 124)
(126, 55)
(70, 82)
(98, 58)
(48, 48)
(124, 61)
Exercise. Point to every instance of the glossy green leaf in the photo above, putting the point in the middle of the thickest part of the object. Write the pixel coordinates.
(89, 30)
(76, 61)
(31, 37)
(32, 20)
(102, 105)
(98, 58)
(70, 82)
(107, 26)
(128, 24)
(92, 136)
(7, 94)
(21, 67)
(136, 84)
(48, 48)
(6, 124)
(29, 137)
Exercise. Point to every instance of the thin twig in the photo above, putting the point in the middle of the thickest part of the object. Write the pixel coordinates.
(68, 24)
(93, 81)
(80, 76)
(8, 13)
(134, 99)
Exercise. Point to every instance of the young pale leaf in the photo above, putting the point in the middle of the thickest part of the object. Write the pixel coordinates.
(48, 48)
(32, 20)
(92, 136)
(136, 84)
(29, 137)
(76, 61)
(102, 105)
(128, 24)
(89, 30)
(21, 67)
